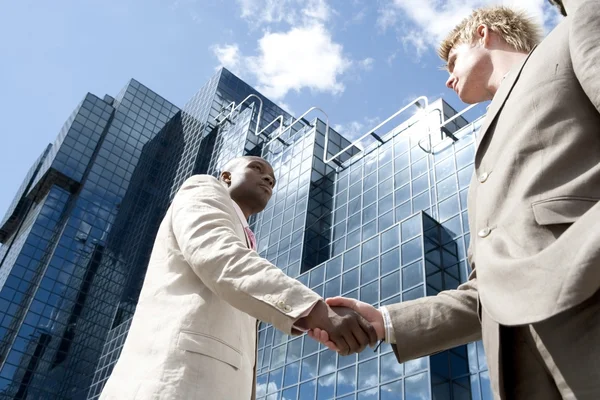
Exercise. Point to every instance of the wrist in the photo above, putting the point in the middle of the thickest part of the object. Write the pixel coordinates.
(379, 326)
(319, 311)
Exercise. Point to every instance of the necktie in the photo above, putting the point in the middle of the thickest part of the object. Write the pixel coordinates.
(251, 237)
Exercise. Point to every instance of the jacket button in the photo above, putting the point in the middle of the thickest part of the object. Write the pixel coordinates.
(485, 232)
(287, 308)
(268, 297)
(281, 304)
(483, 177)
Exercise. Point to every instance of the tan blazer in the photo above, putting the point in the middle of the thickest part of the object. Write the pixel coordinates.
(533, 201)
(193, 335)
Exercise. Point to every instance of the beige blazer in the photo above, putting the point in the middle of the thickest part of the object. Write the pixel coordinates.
(533, 201)
(193, 335)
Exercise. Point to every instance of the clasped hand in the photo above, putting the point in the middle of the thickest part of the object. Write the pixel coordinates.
(350, 337)
(347, 331)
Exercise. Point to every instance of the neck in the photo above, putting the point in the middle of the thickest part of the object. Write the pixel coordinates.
(503, 62)
(245, 209)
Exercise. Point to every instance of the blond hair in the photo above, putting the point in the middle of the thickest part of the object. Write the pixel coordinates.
(515, 27)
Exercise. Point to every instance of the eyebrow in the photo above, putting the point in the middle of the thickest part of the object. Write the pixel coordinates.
(263, 165)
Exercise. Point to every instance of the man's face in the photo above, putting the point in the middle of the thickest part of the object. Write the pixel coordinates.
(470, 70)
(252, 182)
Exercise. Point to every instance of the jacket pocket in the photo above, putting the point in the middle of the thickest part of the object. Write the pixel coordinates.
(211, 347)
(561, 210)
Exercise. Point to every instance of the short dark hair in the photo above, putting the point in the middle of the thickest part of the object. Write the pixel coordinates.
(560, 5)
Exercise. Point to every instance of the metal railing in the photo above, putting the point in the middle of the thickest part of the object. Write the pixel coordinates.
(429, 150)
(416, 102)
(234, 108)
(283, 131)
(279, 118)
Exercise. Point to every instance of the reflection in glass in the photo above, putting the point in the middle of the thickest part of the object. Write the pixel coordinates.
(416, 387)
(389, 368)
(393, 391)
(367, 374)
(346, 381)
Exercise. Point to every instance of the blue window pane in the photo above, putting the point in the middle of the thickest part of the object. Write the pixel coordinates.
(369, 230)
(354, 222)
(332, 288)
(294, 350)
(333, 268)
(370, 394)
(416, 387)
(412, 250)
(367, 374)
(290, 394)
(310, 346)
(326, 387)
(350, 280)
(402, 211)
(370, 293)
(291, 375)
(370, 212)
(392, 391)
(370, 196)
(390, 368)
(369, 271)
(390, 285)
(275, 380)
(307, 390)
(309, 367)
(412, 275)
(386, 220)
(351, 258)
(390, 261)
(390, 239)
(370, 248)
(413, 294)
(346, 381)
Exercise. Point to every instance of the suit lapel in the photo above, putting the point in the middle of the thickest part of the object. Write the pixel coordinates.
(499, 99)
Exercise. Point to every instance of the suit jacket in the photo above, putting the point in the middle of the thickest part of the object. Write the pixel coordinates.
(193, 335)
(533, 201)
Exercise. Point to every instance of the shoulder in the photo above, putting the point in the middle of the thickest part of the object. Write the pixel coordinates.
(204, 182)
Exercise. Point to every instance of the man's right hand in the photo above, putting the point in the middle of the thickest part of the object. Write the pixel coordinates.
(346, 329)
(370, 313)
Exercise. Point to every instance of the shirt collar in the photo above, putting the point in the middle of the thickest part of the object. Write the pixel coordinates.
(240, 214)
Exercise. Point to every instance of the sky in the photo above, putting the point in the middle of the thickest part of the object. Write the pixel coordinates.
(359, 60)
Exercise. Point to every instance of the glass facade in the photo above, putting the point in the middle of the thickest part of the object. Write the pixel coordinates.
(383, 224)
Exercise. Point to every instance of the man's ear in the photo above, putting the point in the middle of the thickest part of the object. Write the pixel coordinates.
(226, 177)
(483, 35)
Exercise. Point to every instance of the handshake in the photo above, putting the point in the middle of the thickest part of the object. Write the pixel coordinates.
(344, 325)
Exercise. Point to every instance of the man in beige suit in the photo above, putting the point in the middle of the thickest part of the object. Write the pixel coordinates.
(193, 335)
(533, 296)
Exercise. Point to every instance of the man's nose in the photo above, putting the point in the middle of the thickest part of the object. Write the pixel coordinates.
(269, 180)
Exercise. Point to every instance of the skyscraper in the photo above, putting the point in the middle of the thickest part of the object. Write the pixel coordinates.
(384, 223)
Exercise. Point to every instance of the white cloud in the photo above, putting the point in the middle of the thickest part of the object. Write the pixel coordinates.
(367, 63)
(351, 130)
(260, 12)
(434, 18)
(303, 57)
(228, 55)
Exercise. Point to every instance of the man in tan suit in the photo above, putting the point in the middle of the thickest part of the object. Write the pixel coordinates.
(193, 335)
(533, 296)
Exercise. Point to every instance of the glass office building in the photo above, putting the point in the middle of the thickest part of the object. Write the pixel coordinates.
(382, 223)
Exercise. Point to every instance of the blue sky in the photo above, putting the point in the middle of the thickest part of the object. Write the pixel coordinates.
(359, 60)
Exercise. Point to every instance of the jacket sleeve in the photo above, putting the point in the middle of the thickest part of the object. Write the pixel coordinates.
(584, 43)
(203, 225)
(435, 323)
